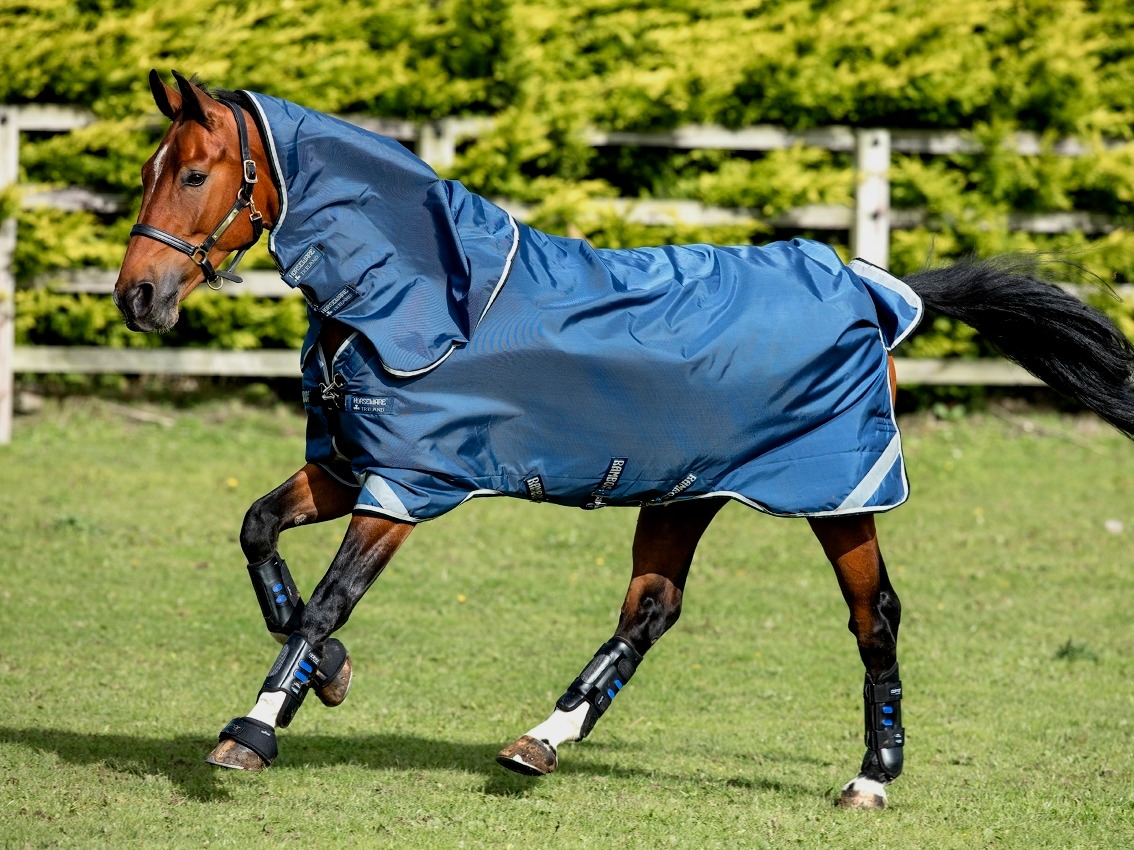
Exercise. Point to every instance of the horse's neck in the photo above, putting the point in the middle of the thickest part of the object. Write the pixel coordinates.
(332, 334)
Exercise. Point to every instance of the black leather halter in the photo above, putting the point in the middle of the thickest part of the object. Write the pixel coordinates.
(200, 253)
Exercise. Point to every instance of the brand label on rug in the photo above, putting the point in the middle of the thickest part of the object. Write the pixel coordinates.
(371, 404)
(613, 473)
(535, 488)
(608, 483)
(300, 268)
(336, 302)
(682, 485)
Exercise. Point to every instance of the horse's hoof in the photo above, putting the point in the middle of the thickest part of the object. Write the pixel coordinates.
(229, 753)
(335, 691)
(332, 689)
(863, 794)
(529, 756)
(245, 744)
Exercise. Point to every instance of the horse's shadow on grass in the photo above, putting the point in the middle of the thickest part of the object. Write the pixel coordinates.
(182, 760)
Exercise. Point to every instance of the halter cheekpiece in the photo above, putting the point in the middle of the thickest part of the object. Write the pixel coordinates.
(200, 253)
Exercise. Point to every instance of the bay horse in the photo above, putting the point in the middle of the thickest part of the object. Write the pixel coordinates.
(454, 352)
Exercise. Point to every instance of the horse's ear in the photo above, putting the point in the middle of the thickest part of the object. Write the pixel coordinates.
(168, 101)
(192, 108)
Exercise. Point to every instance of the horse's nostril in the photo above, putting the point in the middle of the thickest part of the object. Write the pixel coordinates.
(141, 298)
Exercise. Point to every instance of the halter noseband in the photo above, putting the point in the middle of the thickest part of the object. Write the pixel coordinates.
(200, 253)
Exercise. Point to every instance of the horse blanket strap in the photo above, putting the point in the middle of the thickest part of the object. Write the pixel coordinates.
(200, 253)
(259, 737)
(490, 358)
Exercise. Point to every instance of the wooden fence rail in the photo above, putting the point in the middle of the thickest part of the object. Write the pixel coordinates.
(869, 223)
(284, 363)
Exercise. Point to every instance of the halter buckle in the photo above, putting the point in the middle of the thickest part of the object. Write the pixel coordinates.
(249, 171)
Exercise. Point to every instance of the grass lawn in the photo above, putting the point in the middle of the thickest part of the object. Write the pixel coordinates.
(130, 635)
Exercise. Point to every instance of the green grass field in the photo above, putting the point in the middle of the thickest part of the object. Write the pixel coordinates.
(129, 635)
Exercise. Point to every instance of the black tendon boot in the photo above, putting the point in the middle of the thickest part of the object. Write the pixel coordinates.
(882, 701)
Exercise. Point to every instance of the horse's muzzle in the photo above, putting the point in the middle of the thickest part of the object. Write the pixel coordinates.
(145, 309)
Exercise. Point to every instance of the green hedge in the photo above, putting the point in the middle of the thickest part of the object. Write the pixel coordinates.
(546, 70)
(210, 321)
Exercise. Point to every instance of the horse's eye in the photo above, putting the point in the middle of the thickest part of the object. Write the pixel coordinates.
(195, 178)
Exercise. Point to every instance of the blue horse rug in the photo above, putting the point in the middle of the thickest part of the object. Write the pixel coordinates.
(489, 358)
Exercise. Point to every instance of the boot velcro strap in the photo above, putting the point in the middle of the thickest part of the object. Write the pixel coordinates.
(885, 692)
(259, 737)
(334, 657)
(886, 738)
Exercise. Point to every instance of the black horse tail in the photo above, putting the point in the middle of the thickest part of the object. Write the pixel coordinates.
(1070, 346)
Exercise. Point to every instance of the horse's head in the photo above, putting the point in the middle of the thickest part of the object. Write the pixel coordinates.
(201, 201)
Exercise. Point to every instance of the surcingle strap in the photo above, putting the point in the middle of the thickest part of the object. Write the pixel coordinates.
(601, 681)
(885, 736)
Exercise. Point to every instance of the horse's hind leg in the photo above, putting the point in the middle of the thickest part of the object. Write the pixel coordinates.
(851, 544)
(663, 550)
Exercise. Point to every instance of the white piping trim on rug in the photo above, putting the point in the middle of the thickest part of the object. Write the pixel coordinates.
(476, 494)
(895, 445)
(507, 270)
(891, 393)
(883, 278)
(327, 469)
(275, 167)
(405, 517)
(342, 347)
(373, 509)
(398, 373)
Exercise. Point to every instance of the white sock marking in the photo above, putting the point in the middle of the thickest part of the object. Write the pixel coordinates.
(862, 785)
(267, 708)
(562, 726)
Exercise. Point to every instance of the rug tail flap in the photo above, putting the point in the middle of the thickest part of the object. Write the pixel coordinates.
(899, 308)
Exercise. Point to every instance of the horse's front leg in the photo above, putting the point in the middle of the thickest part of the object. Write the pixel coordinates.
(851, 544)
(664, 542)
(311, 495)
(249, 742)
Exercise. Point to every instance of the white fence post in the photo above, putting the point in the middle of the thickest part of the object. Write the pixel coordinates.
(9, 169)
(437, 144)
(870, 237)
